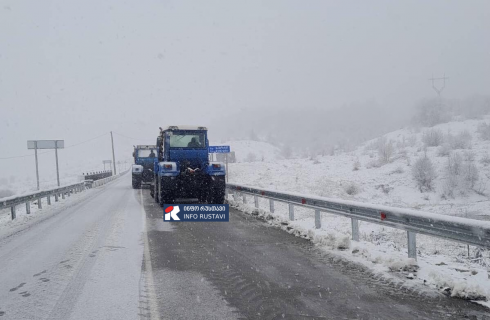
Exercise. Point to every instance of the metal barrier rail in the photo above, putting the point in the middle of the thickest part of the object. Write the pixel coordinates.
(97, 175)
(468, 231)
(97, 183)
(13, 202)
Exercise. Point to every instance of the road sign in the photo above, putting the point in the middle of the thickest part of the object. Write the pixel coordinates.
(46, 144)
(219, 149)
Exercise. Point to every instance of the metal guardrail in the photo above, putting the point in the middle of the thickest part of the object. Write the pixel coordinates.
(97, 183)
(97, 175)
(13, 202)
(468, 231)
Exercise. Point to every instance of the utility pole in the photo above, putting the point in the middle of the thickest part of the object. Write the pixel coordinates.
(37, 166)
(113, 155)
(57, 168)
(439, 90)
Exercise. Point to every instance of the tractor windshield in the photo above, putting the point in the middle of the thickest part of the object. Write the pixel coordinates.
(146, 153)
(188, 140)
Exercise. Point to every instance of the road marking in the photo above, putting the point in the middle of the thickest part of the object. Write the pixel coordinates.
(152, 296)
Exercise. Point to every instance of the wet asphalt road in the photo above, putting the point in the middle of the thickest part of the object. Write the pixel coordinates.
(245, 269)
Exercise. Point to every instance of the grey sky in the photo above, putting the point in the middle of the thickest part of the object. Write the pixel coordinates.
(76, 69)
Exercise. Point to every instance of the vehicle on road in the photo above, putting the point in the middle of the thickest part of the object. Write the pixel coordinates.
(183, 169)
(144, 159)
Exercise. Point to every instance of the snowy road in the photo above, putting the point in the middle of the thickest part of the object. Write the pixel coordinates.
(112, 257)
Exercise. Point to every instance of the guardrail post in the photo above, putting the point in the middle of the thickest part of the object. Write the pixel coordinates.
(56, 197)
(318, 219)
(271, 205)
(256, 202)
(412, 244)
(39, 203)
(355, 229)
(69, 192)
(48, 198)
(62, 195)
(291, 212)
(12, 212)
(28, 207)
(244, 198)
(235, 196)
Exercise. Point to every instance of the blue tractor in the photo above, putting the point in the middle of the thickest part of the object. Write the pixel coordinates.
(183, 169)
(144, 159)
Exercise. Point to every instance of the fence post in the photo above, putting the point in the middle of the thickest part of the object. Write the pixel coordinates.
(48, 198)
(355, 229)
(318, 219)
(39, 203)
(28, 207)
(291, 212)
(256, 202)
(56, 197)
(63, 195)
(271, 205)
(244, 198)
(12, 212)
(412, 244)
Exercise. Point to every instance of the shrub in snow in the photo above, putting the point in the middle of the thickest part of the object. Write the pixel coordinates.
(431, 112)
(485, 160)
(469, 156)
(433, 137)
(412, 141)
(385, 150)
(250, 157)
(398, 170)
(470, 175)
(424, 173)
(444, 150)
(484, 131)
(357, 165)
(460, 141)
(351, 189)
(461, 176)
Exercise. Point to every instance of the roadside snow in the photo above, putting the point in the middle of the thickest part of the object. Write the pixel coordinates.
(384, 252)
(359, 176)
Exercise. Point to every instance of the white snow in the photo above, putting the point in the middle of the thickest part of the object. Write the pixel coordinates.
(381, 248)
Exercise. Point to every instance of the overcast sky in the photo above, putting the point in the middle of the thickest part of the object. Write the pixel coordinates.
(75, 70)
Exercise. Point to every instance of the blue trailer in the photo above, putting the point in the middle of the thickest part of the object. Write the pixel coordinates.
(183, 169)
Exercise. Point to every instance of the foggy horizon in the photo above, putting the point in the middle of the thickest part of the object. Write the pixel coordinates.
(75, 71)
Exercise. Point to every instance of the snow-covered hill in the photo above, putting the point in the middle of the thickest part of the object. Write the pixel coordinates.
(363, 176)
(384, 175)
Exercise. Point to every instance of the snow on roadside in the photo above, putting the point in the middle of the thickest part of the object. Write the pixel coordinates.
(383, 250)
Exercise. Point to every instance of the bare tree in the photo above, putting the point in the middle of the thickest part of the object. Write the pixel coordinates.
(386, 150)
(433, 137)
(424, 173)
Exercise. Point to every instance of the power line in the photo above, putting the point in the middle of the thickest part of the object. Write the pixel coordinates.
(77, 144)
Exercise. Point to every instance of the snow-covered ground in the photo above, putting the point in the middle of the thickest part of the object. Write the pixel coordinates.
(358, 175)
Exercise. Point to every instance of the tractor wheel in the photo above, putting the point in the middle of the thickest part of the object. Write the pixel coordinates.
(166, 195)
(217, 190)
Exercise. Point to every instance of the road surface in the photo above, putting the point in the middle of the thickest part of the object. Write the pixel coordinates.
(111, 256)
